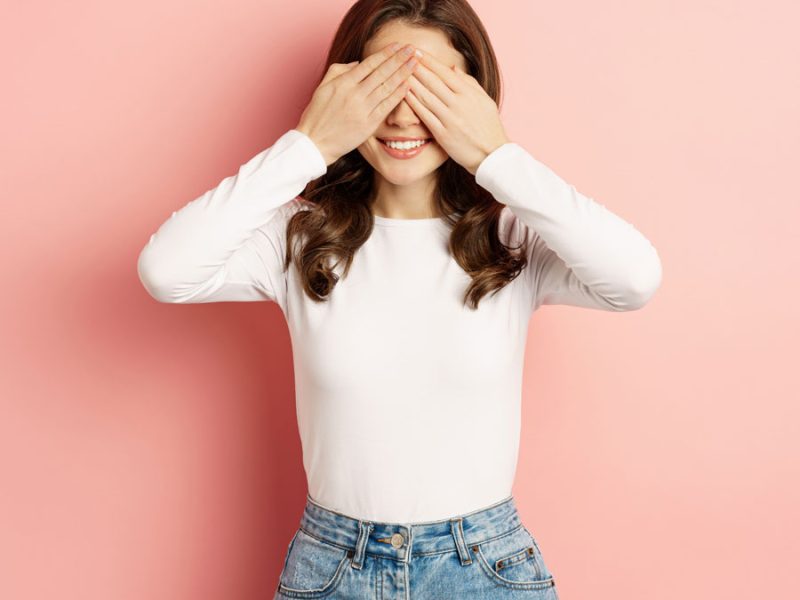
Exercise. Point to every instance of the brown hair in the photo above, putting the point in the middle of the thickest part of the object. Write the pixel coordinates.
(340, 219)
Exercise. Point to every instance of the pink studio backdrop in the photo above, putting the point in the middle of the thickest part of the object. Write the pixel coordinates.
(150, 451)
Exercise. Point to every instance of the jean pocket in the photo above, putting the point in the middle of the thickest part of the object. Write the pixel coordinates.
(513, 560)
(313, 568)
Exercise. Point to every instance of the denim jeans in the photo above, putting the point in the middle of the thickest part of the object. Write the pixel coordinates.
(487, 553)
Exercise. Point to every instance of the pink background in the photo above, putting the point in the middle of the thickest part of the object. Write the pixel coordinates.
(150, 451)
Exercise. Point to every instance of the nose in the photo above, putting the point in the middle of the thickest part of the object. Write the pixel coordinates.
(402, 115)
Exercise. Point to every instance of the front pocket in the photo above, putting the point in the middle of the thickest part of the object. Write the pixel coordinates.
(313, 567)
(513, 560)
(507, 563)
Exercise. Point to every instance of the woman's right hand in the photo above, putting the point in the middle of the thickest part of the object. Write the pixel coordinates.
(352, 100)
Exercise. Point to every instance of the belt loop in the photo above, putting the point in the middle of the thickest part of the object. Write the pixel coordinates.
(364, 529)
(458, 535)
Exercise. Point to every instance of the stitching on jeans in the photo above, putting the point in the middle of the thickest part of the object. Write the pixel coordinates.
(323, 541)
(497, 537)
(502, 581)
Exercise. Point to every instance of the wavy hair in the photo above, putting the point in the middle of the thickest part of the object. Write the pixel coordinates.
(339, 220)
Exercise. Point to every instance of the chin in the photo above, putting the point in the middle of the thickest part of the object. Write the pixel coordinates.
(406, 178)
(403, 172)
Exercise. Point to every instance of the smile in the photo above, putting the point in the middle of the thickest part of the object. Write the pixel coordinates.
(404, 148)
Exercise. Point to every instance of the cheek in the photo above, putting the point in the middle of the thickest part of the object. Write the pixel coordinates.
(368, 147)
(371, 152)
(438, 151)
(366, 153)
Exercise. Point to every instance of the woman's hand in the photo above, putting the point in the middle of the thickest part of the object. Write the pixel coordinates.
(353, 99)
(459, 113)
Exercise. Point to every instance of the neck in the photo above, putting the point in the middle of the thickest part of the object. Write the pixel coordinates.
(408, 201)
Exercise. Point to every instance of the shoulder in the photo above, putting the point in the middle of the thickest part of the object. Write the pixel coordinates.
(279, 220)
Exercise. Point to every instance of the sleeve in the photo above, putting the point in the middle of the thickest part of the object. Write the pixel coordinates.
(580, 253)
(228, 244)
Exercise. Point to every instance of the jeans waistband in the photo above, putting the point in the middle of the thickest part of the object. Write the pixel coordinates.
(402, 541)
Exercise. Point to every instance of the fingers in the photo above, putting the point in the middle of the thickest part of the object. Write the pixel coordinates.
(434, 86)
(423, 94)
(384, 71)
(397, 78)
(337, 69)
(452, 79)
(432, 121)
(369, 64)
(386, 105)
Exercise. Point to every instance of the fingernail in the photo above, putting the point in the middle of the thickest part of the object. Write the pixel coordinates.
(418, 53)
(408, 50)
(394, 47)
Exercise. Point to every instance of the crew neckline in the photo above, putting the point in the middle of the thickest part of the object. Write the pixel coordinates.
(393, 222)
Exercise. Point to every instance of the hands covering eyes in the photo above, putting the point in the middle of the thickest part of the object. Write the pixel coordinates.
(353, 99)
(455, 108)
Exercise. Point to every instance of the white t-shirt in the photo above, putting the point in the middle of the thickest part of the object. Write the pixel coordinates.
(408, 403)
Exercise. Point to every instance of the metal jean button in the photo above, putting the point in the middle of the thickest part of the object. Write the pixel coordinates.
(397, 540)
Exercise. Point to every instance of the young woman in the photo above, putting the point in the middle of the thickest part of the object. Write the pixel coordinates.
(407, 273)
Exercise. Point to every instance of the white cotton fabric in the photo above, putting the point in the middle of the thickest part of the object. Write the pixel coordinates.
(408, 402)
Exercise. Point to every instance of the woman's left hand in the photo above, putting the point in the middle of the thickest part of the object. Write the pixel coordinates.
(460, 115)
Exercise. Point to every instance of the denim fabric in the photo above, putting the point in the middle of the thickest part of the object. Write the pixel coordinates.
(487, 553)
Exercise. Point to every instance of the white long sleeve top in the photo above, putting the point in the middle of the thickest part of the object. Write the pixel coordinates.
(408, 403)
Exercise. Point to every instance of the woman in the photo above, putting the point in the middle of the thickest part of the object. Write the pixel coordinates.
(407, 274)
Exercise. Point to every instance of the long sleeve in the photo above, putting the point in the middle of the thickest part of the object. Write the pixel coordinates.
(580, 253)
(228, 244)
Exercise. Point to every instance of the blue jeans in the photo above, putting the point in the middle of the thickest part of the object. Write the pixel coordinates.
(487, 553)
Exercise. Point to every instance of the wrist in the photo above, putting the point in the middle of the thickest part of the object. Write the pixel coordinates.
(305, 131)
(487, 151)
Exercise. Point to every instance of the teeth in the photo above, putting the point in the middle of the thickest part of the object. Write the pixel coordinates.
(404, 145)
